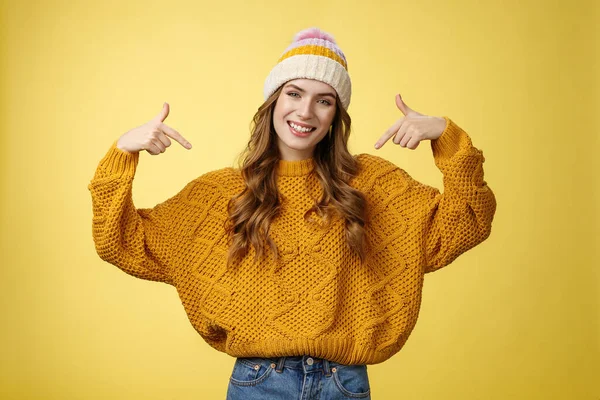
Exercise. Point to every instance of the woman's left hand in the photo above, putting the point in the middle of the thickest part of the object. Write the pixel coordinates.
(412, 128)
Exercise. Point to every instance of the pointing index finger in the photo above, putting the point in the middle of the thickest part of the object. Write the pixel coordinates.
(392, 130)
(175, 135)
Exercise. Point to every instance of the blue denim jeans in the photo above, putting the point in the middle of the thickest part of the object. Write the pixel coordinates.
(298, 377)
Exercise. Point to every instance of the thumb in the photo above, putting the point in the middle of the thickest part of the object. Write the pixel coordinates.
(402, 106)
(164, 113)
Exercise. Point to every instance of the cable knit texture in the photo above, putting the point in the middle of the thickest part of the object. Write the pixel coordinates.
(319, 299)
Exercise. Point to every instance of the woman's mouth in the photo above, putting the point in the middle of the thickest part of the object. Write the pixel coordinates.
(298, 130)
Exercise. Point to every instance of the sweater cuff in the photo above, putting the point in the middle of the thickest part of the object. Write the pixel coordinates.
(451, 141)
(118, 163)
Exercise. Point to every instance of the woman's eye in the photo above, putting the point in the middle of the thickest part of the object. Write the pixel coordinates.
(294, 94)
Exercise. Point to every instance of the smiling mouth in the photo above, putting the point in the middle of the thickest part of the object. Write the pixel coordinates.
(301, 132)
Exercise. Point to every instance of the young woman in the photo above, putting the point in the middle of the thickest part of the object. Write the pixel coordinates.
(306, 264)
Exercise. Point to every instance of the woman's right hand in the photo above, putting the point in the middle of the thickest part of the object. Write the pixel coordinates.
(153, 136)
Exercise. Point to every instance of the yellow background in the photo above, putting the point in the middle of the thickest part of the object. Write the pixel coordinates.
(517, 317)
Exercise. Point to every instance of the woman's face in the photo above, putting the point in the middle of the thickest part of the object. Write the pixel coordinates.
(302, 104)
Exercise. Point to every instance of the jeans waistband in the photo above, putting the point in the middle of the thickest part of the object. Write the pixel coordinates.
(307, 363)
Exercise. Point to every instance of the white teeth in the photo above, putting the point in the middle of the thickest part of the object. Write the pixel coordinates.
(299, 128)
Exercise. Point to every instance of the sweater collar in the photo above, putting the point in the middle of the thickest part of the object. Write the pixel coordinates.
(295, 168)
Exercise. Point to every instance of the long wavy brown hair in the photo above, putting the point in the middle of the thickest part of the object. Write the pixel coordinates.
(252, 211)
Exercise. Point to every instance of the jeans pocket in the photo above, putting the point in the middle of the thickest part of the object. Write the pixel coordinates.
(250, 371)
(352, 380)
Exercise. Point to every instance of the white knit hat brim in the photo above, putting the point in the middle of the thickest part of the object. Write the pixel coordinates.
(308, 66)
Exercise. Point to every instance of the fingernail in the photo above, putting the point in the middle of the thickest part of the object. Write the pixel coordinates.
(189, 146)
(376, 145)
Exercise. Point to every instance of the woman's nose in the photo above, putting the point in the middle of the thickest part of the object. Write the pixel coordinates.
(305, 110)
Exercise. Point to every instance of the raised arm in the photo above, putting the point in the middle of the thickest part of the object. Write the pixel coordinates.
(136, 240)
(460, 217)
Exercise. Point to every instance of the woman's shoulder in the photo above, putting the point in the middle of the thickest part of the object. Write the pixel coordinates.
(371, 170)
(224, 177)
(369, 163)
(219, 183)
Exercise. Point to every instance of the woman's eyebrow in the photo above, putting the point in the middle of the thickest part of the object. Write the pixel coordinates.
(302, 91)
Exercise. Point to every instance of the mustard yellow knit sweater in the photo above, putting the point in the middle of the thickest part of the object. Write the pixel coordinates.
(320, 300)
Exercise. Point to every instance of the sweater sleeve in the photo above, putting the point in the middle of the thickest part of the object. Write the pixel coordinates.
(138, 241)
(461, 217)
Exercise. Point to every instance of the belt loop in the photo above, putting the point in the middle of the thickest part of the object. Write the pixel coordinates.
(326, 367)
(280, 364)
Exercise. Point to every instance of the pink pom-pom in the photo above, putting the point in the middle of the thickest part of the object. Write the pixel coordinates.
(313, 33)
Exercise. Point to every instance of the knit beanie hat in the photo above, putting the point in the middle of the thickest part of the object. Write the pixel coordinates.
(313, 54)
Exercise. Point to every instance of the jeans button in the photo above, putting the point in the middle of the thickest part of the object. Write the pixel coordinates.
(309, 361)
